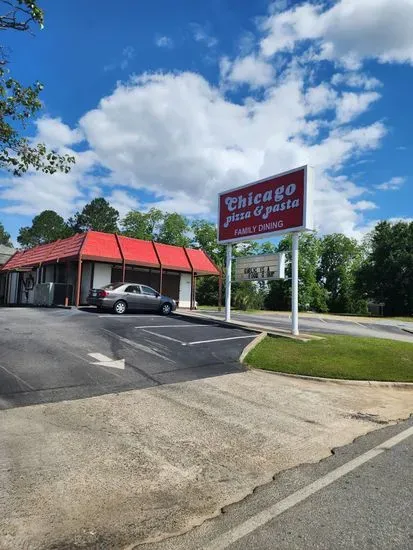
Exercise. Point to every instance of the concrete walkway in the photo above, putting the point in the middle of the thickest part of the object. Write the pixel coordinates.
(121, 469)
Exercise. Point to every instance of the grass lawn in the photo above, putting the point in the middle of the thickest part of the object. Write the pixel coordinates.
(336, 357)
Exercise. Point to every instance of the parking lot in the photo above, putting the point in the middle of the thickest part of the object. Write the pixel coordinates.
(54, 355)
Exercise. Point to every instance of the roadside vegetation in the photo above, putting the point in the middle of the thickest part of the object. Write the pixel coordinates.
(336, 357)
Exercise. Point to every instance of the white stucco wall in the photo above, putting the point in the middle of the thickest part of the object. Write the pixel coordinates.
(102, 275)
(185, 290)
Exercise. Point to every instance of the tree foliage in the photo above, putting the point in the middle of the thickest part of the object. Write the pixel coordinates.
(97, 215)
(46, 227)
(142, 225)
(5, 238)
(18, 103)
(174, 230)
(386, 275)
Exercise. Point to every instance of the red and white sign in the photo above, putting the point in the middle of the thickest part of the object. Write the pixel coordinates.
(275, 205)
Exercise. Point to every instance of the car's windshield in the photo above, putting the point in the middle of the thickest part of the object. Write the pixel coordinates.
(112, 286)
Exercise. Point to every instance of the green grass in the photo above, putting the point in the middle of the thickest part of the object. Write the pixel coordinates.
(336, 357)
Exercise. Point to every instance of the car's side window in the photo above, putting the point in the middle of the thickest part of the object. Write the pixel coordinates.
(148, 290)
(133, 288)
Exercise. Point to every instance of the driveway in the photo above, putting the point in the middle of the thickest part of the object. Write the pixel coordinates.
(320, 324)
(53, 355)
(118, 468)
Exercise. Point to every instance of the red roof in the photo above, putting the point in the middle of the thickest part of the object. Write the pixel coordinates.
(172, 257)
(101, 246)
(201, 262)
(138, 252)
(108, 247)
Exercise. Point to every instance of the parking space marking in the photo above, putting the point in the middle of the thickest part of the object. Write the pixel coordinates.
(18, 378)
(166, 337)
(175, 326)
(220, 339)
(140, 347)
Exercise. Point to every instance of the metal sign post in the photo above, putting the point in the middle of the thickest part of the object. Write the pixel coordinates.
(228, 279)
(294, 285)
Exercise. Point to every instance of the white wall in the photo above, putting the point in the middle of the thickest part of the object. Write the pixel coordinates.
(102, 275)
(185, 290)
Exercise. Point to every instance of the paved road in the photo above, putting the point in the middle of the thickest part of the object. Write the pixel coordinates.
(54, 355)
(391, 329)
(370, 507)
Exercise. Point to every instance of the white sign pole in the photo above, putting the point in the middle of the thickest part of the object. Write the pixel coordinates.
(228, 277)
(294, 287)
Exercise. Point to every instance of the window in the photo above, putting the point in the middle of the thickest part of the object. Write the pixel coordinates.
(133, 289)
(112, 286)
(148, 291)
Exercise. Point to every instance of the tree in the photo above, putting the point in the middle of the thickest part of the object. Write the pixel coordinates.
(47, 227)
(386, 275)
(310, 294)
(5, 238)
(174, 230)
(205, 237)
(97, 215)
(19, 103)
(340, 258)
(141, 225)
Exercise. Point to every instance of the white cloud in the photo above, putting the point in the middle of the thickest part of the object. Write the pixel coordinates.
(351, 105)
(320, 98)
(356, 80)
(392, 185)
(251, 70)
(365, 205)
(202, 34)
(128, 53)
(164, 42)
(54, 133)
(348, 30)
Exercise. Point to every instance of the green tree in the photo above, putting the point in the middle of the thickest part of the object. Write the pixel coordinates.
(310, 294)
(174, 230)
(46, 227)
(5, 238)
(340, 259)
(142, 225)
(386, 275)
(205, 237)
(97, 215)
(18, 103)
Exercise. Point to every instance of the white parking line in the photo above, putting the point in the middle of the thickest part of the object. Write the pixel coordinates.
(220, 339)
(255, 522)
(17, 378)
(140, 347)
(175, 326)
(163, 336)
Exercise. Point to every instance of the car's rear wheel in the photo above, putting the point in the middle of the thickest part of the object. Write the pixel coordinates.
(166, 309)
(120, 307)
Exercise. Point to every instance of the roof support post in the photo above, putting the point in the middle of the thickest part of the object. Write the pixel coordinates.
(78, 281)
(122, 256)
(160, 269)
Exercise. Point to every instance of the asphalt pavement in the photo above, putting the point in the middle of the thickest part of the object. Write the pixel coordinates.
(49, 355)
(319, 324)
(359, 498)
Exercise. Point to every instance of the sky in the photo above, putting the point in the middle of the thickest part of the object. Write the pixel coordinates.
(167, 104)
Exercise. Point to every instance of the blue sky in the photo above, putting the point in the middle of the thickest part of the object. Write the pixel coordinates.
(166, 106)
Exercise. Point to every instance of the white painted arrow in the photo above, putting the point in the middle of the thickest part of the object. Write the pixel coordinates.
(104, 361)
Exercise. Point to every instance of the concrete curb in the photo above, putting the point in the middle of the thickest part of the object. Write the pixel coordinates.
(252, 327)
(341, 381)
(251, 346)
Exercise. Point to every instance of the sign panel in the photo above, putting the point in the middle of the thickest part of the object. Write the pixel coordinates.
(263, 267)
(275, 205)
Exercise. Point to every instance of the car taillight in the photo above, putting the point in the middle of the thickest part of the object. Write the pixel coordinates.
(103, 294)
